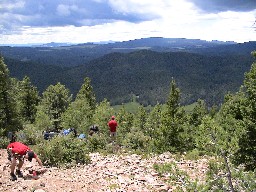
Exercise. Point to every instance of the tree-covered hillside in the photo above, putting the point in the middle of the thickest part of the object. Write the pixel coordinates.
(142, 68)
(146, 74)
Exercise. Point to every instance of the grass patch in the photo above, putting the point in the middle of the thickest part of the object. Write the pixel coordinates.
(131, 107)
(189, 108)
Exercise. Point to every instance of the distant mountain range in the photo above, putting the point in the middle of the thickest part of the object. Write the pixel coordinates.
(142, 67)
(60, 54)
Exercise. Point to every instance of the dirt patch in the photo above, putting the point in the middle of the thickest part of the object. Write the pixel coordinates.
(121, 172)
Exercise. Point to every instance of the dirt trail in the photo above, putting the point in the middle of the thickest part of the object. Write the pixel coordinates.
(104, 173)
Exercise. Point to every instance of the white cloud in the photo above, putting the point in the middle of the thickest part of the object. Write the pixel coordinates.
(63, 10)
(11, 5)
(66, 10)
(139, 7)
(164, 18)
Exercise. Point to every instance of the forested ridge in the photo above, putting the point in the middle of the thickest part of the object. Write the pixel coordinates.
(145, 73)
(143, 68)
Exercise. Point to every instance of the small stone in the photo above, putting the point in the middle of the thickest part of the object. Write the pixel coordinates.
(154, 174)
(42, 184)
(39, 190)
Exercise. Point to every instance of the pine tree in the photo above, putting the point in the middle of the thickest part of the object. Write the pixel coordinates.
(219, 136)
(125, 121)
(140, 119)
(86, 93)
(173, 101)
(247, 152)
(170, 135)
(198, 112)
(55, 101)
(101, 116)
(77, 115)
(28, 100)
(8, 112)
(153, 122)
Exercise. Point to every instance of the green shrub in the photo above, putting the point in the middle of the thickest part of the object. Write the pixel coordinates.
(193, 155)
(175, 174)
(4, 141)
(216, 179)
(136, 140)
(245, 180)
(96, 142)
(30, 135)
(63, 151)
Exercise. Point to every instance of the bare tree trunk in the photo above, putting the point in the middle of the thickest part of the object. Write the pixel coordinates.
(229, 177)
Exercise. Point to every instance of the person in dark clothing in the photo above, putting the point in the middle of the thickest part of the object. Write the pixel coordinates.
(93, 129)
(11, 136)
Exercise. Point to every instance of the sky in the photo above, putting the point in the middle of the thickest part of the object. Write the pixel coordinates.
(82, 21)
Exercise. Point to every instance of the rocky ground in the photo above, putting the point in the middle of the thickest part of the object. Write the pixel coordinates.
(105, 173)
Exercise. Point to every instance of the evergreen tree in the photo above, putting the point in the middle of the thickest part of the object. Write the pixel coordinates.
(247, 152)
(42, 120)
(28, 100)
(86, 93)
(140, 119)
(220, 135)
(194, 119)
(55, 101)
(101, 116)
(170, 135)
(153, 122)
(8, 112)
(198, 112)
(173, 101)
(78, 116)
(125, 122)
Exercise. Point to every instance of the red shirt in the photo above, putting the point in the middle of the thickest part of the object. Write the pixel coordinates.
(19, 148)
(112, 125)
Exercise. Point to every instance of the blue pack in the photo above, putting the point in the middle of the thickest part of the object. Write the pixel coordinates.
(81, 136)
(66, 131)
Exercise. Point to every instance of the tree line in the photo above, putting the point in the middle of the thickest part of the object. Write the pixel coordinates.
(227, 132)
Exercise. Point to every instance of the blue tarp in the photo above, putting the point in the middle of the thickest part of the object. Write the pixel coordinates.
(81, 136)
(66, 132)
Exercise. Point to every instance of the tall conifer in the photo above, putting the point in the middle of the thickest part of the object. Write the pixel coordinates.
(8, 113)
(55, 101)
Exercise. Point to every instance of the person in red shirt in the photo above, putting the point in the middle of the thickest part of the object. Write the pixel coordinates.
(19, 151)
(112, 124)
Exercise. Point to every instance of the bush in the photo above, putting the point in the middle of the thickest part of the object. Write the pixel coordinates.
(136, 140)
(175, 174)
(63, 151)
(97, 142)
(193, 155)
(244, 180)
(29, 135)
(4, 141)
(217, 179)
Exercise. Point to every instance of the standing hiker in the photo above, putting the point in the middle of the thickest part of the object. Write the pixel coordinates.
(112, 124)
(19, 151)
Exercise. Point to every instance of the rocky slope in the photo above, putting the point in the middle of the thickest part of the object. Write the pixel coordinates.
(118, 172)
